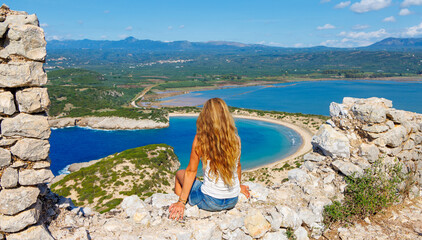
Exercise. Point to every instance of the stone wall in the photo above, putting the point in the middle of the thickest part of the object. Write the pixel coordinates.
(24, 145)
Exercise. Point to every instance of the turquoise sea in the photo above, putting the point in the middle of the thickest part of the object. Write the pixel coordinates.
(262, 142)
(309, 97)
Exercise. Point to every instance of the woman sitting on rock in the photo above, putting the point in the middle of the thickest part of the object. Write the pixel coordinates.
(218, 146)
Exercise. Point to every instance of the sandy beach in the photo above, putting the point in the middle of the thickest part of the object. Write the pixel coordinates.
(305, 134)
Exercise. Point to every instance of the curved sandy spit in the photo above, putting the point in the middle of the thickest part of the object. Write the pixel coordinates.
(306, 136)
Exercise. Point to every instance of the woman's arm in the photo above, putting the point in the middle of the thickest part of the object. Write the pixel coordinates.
(177, 209)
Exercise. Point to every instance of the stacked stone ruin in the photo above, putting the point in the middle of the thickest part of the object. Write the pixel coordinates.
(24, 145)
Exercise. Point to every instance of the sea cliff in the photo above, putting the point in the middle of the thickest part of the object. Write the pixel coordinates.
(107, 123)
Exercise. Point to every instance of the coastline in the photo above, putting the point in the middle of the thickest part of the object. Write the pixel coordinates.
(304, 134)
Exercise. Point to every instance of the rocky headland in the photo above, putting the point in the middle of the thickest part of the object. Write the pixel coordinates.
(106, 123)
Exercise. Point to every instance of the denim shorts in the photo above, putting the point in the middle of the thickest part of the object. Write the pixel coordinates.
(206, 202)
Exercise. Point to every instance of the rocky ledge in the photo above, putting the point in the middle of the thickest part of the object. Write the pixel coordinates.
(107, 123)
(359, 132)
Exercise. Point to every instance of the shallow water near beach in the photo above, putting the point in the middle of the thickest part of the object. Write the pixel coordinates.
(308, 97)
(262, 142)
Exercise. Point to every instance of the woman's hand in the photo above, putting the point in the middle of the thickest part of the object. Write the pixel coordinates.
(245, 190)
(177, 210)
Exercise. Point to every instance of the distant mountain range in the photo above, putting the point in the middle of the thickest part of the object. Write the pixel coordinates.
(388, 44)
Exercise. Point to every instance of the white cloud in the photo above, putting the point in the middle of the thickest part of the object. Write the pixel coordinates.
(123, 36)
(54, 37)
(408, 3)
(342, 4)
(364, 35)
(360, 27)
(44, 25)
(106, 11)
(369, 5)
(389, 19)
(103, 37)
(298, 45)
(326, 26)
(129, 28)
(413, 31)
(405, 12)
(80, 22)
(182, 26)
(170, 27)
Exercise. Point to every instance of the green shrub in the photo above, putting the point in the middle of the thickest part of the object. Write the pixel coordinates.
(367, 195)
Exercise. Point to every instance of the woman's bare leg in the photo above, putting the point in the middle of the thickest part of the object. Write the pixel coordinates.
(180, 176)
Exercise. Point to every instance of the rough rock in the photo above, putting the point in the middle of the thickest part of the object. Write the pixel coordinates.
(11, 224)
(131, 204)
(10, 178)
(41, 165)
(6, 142)
(278, 235)
(347, 168)
(22, 74)
(370, 152)
(77, 166)
(33, 177)
(256, 224)
(33, 100)
(290, 219)
(331, 142)
(25, 125)
(301, 234)
(13, 201)
(393, 138)
(314, 157)
(7, 103)
(204, 230)
(5, 157)
(338, 110)
(31, 149)
(298, 176)
(38, 232)
(160, 200)
(369, 113)
(16, 20)
(27, 41)
(258, 192)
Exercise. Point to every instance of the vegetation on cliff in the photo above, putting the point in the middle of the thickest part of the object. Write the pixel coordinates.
(139, 171)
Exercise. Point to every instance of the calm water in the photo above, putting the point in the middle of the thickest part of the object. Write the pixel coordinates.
(310, 97)
(262, 142)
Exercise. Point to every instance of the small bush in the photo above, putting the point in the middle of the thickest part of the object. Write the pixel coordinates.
(367, 195)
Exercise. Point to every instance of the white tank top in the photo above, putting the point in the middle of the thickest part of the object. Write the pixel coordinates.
(219, 189)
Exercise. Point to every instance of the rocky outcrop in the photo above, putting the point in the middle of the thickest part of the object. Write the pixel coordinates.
(24, 145)
(109, 123)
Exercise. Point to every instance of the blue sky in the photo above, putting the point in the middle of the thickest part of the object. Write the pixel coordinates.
(287, 23)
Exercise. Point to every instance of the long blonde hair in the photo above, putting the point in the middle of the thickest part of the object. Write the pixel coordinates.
(218, 141)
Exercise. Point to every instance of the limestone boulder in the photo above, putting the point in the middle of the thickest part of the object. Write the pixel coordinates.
(26, 125)
(3, 28)
(298, 176)
(277, 235)
(6, 142)
(338, 110)
(331, 142)
(398, 116)
(204, 230)
(314, 157)
(393, 138)
(256, 224)
(41, 164)
(375, 128)
(11, 224)
(24, 19)
(369, 151)
(37, 232)
(289, 218)
(347, 168)
(13, 201)
(349, 101)
(33, 100)
(159, 200)
(131, 204)
(17, 74)
(237, 235)
(5, 157)
(31, 149)
(10, 178)
(30, 177)
(301, 234)
(27, 41)
(370, 113)
(7, 103)
(258, 192)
